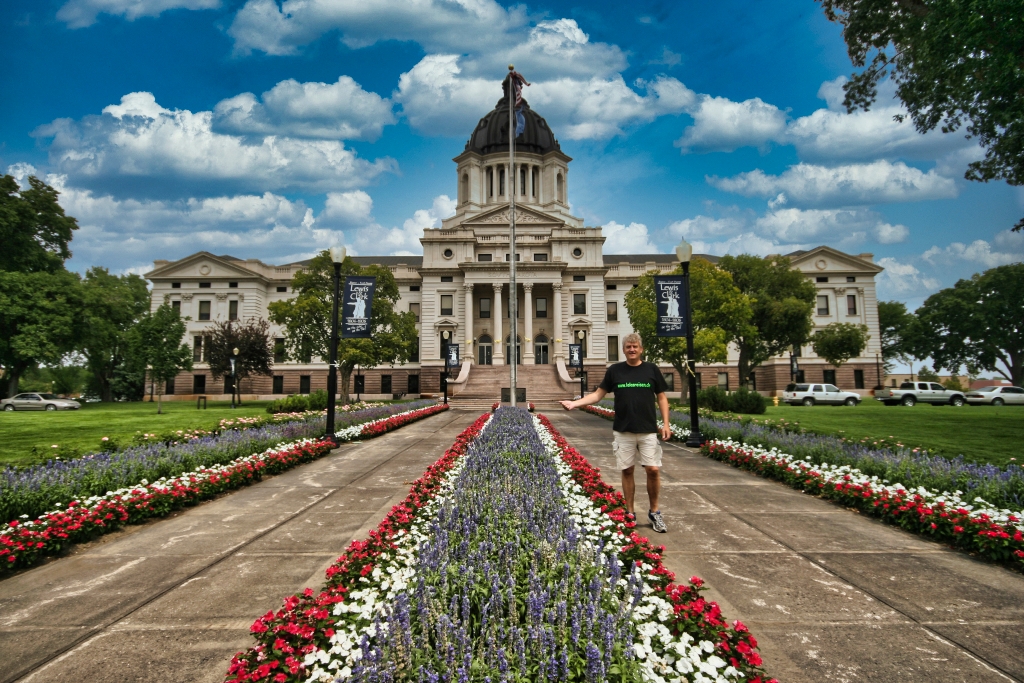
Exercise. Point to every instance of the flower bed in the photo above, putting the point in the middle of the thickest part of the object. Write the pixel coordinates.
(509, 560)
(383, 425)
(529, 406)
(22, 543)
(968, 523)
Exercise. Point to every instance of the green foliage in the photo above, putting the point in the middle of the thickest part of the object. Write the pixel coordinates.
(719, 311)
(307, 317)
(255, 350)
(953, 384)
(896, 326)
(978, 323)
(713, 399)
(953, 63)
(926, 374)
(112, 305)
(34, 231)
(746, 402)
(781, 302)
(157, 346)
(318, 400)
(839, 342)
(295, 403)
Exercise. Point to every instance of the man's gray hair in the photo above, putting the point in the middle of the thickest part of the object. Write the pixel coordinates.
(631, 338)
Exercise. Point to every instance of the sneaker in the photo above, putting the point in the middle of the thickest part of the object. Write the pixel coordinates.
(657, 522)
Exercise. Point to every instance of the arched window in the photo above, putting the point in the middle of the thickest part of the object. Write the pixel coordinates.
(465, 188)
(560, 188)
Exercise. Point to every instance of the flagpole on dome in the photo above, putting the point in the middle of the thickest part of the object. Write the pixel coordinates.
(513, 297)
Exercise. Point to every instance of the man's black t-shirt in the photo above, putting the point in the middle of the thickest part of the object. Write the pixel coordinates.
(635, 389)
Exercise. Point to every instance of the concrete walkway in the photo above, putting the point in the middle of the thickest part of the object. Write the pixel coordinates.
(173, 600)
(831, 595)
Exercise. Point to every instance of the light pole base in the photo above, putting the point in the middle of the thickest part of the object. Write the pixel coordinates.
(696, 439)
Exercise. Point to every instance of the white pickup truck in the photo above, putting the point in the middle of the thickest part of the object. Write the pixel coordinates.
(910, 393)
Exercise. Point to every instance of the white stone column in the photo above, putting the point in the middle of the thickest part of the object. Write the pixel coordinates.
(528, 317)
(557, 286)
(498, 353)
(467, 350)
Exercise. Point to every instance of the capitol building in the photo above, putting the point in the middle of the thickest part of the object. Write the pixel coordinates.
(568, 291)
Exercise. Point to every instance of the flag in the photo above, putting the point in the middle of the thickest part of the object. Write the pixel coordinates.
(518, 82)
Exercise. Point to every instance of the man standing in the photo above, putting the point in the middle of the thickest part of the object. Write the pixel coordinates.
(636, 385)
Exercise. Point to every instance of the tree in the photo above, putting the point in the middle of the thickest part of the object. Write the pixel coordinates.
(898, 329)
(255, 350)
(40, 320)
(720, 312)
(781, 301)
(307, 317)
(978, 323)
(952, 63)
(926, 374)
(156, 341)
(839, 342)
(113, 304)
(34, 231)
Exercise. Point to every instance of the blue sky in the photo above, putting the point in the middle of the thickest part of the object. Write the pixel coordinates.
(271, 130)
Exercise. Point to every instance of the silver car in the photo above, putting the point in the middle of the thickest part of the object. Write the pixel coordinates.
(996, 396)
(813, 394)
(39, 402)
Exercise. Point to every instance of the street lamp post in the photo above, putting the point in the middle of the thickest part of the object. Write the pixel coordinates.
(337, 257)
(445, 336)
(581, 335)
(684, 252)
(234, 382)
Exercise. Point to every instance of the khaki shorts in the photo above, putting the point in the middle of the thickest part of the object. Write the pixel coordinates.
(627, 444)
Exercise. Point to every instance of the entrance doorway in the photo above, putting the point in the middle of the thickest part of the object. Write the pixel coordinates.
(519, 349)
(484, 349)
(540, 350)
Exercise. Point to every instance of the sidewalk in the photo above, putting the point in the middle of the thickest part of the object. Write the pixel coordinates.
(830, 595)
(173, 600)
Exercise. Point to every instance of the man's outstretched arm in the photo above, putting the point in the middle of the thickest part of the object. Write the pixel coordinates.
(590, 399)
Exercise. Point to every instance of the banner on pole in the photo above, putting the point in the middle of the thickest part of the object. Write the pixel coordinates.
(575, 355)
(357, 306)
(453, 355)
(672, 296)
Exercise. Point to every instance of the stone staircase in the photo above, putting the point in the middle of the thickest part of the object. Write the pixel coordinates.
(483, 388)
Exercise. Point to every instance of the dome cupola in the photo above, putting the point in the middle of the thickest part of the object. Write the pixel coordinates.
(491, 133)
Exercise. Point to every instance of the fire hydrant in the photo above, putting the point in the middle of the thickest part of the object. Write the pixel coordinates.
(775, 400)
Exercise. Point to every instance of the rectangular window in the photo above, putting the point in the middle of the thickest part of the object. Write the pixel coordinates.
(303, 384)
(753, 381)
(176, 307)
(385, 384)
(611, 287)
(282, 289)
(579, 278)
(540, 257)
(828, 376)
(278, 384)
(414, 288)
(851, 278)
(501, 181)
(517, 257)
(851, 304)
(306, 351)
(359, 386)
(233, 310)
(204, 310)
(613, 311)
(175, 285)
(198, 384)
(699, 386)
(228, 384)
(723, 381)
(485, 308)
(522, 180)
(169, 388)
(483, 257)
(447, 278)
(823, 304)
(414, 353)
(205, 285)
(821, 278)
(414, 384)
(447, 304)
(670, 380)
(207, 339)
(197, 349)
(233, 285)
(579, 304)
(858, 379)
(613, 349)
(414, 308)
(279, 354)
(542, 307)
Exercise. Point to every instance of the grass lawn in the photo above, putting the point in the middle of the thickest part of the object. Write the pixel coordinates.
(23, 431)
(981, 433)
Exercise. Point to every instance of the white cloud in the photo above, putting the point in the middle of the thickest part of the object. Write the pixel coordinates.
(705, 227)
(347, 208)
(838, 226)
(902, 280)
(978, 252)
(439, 99)
(872, 183)
(139, 147)
(81, 13)
(627, 239)
(378, 240)
(723, 125)
(668, 58)
(21, 171)
(341, 110)
(745, 243)
(886, 233)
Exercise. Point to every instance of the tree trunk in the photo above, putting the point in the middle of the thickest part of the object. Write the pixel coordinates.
(684, 396)
(13, 376)
(106, 391)
(160, 404)
(743, 365)
(345, 375)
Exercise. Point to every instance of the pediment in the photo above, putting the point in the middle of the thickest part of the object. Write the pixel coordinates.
(822, 260)
(524, 216)
(202, 264)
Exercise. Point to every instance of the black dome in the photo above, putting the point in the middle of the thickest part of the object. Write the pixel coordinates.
(491, 134)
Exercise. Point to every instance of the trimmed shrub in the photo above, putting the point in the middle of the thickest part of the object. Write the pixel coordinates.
(290, 404)
(713, 398)
(318, 400)
(747, 402)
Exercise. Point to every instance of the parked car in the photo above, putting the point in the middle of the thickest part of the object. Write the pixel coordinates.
(813, 394)
(39, 402)
(996, 396)
(911, 393)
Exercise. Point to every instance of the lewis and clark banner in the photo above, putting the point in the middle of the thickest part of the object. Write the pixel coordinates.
(672, 296)
(357, 306)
